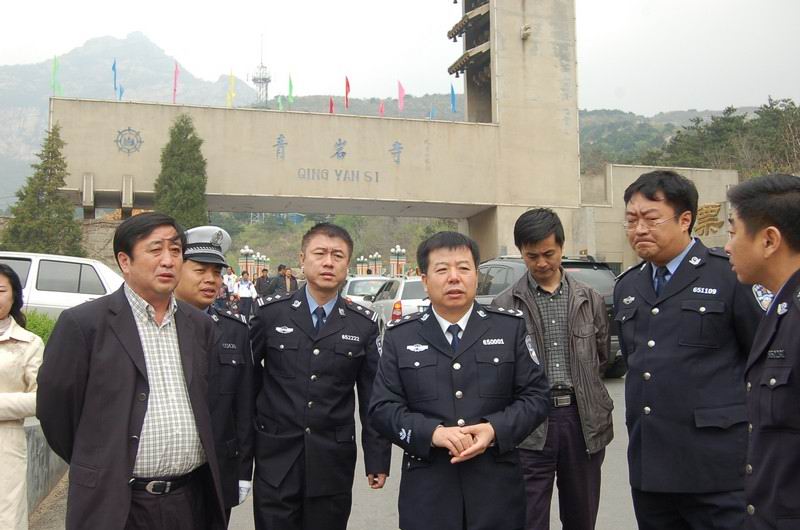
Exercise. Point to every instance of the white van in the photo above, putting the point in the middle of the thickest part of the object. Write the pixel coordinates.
(52, 283)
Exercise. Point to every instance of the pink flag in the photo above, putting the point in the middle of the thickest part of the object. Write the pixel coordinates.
(330, 106)
(346, 93)
(380, 108)
(175, 82)
(401, 97)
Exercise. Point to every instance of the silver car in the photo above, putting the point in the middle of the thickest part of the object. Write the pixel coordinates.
(399, 297)
(52, 283)
(357, 287)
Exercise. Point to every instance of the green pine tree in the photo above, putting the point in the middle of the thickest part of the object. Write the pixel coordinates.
(43, 220)
(180, 189)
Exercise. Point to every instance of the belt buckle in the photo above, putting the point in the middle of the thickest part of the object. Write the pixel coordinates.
(151, 486)
(562, 401)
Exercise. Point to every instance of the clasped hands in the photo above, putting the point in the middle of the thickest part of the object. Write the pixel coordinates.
(464, 443)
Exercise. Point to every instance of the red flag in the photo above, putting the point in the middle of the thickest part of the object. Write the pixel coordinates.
(175, 82)
(401, 97)
(330, 106)
(346, 93)
(380, 108)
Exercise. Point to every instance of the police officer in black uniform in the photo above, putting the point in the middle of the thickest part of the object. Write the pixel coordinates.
(230, 367)
(686, 326)
(311, 347)
(458, 388)
(765, 249)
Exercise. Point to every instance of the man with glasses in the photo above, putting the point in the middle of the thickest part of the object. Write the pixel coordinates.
(686, 326)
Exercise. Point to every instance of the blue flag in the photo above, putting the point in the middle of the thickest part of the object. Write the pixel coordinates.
(432, 115)
(121, 91)
(114, 69)
(452, 98)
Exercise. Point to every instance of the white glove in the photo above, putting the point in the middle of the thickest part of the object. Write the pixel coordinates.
(244, 489)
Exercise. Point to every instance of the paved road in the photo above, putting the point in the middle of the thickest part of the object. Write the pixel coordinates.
(377, 510)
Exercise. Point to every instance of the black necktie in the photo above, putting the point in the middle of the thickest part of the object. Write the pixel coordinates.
(320, 312)
(661, 279)
(454, 329)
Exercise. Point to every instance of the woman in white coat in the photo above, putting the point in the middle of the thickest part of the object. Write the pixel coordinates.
(20, 357)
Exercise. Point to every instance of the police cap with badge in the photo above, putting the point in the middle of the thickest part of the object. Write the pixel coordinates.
(207, 244)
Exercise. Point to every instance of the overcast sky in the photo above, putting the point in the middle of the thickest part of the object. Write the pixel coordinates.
(643, 56)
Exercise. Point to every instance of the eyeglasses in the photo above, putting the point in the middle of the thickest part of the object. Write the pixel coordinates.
(649, 224)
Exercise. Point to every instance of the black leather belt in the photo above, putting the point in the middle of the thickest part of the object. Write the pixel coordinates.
(562, 398)
(164, 486)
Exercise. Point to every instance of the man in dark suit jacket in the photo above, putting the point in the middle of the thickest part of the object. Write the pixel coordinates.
(458, 388)
(230, 366)
(311, 349)
(686, 326)
(122, 395)
(765, 249)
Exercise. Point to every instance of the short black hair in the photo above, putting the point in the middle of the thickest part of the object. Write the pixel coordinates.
(281, 267)
(330, 230)
(679, 192)
(264, 270)
(16, 294)
(537, 225)
(136, 228)
(449, 240)
(771, 200)
(245, 272)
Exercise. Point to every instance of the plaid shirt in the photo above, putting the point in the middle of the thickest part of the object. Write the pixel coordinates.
(169, 445)
(554, 313)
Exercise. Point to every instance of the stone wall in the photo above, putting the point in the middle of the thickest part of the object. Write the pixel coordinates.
(45, 468)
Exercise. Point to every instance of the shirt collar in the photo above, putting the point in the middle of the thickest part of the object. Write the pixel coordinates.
(312, 304)
(444, 324)
(534, 286)
(673, 265)
(143, 310)
(16, 332)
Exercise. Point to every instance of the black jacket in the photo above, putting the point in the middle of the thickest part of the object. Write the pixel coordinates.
(231, 398)
(772, 481)
(305, 392)
(686, 351)
(422, 383)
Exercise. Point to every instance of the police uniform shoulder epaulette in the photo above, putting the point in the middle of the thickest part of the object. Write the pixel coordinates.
(361, 310)
(503, 311)
(266, 300)
(408, 318)
(241, 319)
(719, 252)
(629, 269)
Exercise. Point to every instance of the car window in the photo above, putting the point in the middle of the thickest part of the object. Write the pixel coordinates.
(600, 279)
(90, 281)
(59, 276)
(499, 279)
(388, 291)
(364, 287)
(414, 291)
(20, 266)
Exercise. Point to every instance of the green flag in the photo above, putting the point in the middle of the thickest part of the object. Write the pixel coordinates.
(290, 97)
(57, 91)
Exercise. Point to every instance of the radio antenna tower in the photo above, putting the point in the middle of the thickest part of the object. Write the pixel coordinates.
(261, 79)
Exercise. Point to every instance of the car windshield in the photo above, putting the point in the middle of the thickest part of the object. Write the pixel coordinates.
(414, 291)
(364, 287)
(20, 266)
(601, 280)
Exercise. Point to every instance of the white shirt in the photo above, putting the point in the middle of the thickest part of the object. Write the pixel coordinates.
(245, 289)
(444, 324)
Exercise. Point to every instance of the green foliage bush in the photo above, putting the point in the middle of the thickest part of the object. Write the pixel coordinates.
(40, 324)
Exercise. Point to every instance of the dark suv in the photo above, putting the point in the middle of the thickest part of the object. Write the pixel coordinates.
(496, 275)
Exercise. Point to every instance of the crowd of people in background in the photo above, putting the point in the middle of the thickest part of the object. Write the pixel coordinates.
(238, 293)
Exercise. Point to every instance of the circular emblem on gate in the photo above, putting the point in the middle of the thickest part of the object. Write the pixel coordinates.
(129, 141)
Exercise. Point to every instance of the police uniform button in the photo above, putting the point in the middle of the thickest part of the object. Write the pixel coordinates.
(416, 364)
(751, 509)
(496, 360)
(461, 422)
(310, 404)
(749, 386)
(456, 366)
(772, 381)
(313, 377)
(308, 430)
(749, 427)
(748, 469)
(280, 347)
(646, 376)
(349, 354)
(233, 361)
(651, 343)
(459, 394)
(702, 309)
(647, 410)
(655, 310)
(315, 352)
